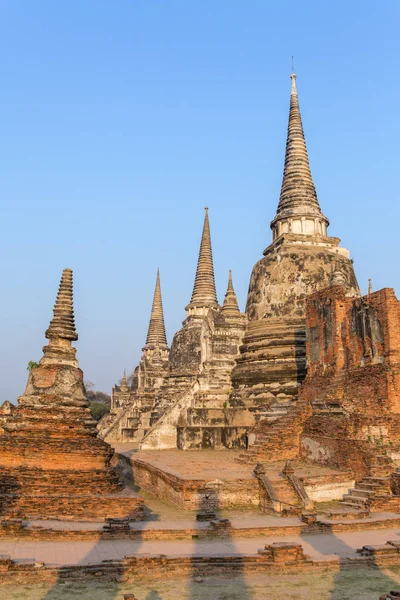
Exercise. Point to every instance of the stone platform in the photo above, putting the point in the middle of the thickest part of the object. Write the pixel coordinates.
(212, 478)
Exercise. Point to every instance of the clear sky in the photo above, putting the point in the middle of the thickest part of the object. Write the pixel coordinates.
(120, 120)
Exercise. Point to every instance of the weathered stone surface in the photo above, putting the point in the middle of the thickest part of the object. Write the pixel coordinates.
(300, 260)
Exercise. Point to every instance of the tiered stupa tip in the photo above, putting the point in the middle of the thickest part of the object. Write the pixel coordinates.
(230, 307)
(204, 291)
(62, 324)
(156, 335)
(298, 210)
(61, 331)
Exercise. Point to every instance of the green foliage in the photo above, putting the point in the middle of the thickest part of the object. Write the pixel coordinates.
(32, 365)
(100, 397)
(98, 410)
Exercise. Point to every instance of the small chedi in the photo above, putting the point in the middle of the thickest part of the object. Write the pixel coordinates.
(131, 406)
(52, 464)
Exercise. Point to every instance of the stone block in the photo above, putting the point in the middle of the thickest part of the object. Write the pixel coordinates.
(206, 515)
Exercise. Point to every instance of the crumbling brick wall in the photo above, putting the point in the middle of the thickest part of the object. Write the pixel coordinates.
(353, 378)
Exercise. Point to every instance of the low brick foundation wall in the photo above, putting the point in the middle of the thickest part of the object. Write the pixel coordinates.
(195, 494)
(274, 558)
(74, 508)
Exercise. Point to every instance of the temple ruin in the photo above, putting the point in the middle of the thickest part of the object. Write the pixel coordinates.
(231, 375)
(52, 464)
(289, 409)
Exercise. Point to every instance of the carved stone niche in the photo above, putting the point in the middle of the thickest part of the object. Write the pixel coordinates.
(368, 328)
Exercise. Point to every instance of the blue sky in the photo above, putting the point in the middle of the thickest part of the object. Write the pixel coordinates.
(121, 120)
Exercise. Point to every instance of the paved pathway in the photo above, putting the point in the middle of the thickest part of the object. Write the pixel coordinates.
(320, 547)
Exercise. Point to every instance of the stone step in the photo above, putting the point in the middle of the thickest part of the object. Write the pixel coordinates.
(360, 507)
(376, 479)
(378, 461)
(368, 484)
(380, 471)
(374, 487)
(354, 499)
(364, 493)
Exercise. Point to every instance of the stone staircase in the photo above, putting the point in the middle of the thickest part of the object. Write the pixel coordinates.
(285, 492)
(137, 429)
(211, 423)
(278, 493)
(172, 388)
(366, 489)
(376, 484)
(130, 425)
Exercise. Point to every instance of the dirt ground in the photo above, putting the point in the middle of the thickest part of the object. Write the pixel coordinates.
(344, 584)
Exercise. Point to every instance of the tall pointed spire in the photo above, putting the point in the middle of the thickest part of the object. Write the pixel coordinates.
(204, 292)
(230, 307)
(156, 333)
(370, 290)
(298, 209)
(61, 331)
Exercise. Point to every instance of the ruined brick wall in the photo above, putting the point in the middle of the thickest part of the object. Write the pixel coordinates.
(352, 383)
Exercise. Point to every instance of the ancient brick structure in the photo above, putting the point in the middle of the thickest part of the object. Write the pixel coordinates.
(301, 259)
(191, 408)
(206, 400)
(131, 406)
(52, 465)
(352, 387)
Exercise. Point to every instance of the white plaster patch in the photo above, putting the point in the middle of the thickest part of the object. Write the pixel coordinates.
(315, 451)
(395, 456)
(329, 491)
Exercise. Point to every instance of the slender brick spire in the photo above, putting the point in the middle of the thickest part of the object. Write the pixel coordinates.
(62, 324)
(370, 290)
(230, 307)
(298, 199)
(156, 333)
(61, 331)
(204, 293)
